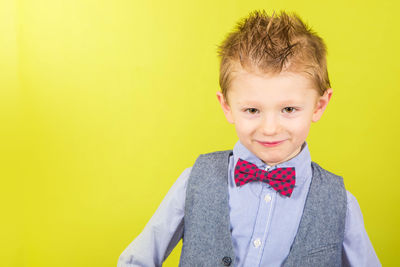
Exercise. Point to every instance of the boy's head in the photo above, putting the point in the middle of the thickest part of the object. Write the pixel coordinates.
(272, 44)
(274, 83)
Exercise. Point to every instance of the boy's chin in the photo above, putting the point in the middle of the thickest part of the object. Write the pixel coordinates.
(271, 160)
(272, 157)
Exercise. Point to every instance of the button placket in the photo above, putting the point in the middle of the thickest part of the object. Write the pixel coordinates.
(258, 238)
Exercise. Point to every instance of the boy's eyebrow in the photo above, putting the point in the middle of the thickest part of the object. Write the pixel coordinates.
(250, 103)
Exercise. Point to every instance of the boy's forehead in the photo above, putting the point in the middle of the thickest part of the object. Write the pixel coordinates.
(254, 74)
(283, 80)
(250, 99)
(283, 87)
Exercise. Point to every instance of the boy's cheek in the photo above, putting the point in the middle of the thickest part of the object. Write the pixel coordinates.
(244, 127)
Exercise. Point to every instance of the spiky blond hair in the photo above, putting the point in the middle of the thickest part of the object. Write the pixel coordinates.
(272, 44)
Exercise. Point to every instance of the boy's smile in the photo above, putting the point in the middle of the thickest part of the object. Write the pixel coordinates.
(273, 113)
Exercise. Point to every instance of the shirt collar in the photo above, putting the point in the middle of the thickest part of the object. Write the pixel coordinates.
(301, 162)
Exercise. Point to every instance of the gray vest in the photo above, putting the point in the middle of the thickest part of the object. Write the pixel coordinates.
(207, 240)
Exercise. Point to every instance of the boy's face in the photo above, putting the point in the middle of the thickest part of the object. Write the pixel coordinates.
(273, 108)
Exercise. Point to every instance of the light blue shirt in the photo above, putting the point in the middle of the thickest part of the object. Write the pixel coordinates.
(263, 223)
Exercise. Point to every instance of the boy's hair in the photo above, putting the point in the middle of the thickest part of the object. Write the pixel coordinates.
(272, 44)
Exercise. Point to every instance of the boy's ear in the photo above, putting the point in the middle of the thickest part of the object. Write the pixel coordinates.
(321, 105)
(225, 107)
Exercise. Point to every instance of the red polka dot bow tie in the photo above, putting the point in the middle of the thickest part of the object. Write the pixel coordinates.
(281, 179)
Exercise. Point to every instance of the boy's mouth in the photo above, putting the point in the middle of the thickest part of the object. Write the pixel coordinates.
(269, 144)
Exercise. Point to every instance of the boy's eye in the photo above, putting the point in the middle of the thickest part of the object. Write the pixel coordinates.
(289, 109)
(251, 110)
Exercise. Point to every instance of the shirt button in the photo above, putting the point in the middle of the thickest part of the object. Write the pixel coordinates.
(257, 243)
(267, 198)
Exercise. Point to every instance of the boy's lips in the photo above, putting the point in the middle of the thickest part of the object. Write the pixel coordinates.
(274, 143)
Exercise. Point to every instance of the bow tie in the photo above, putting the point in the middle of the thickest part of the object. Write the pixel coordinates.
(281, 179)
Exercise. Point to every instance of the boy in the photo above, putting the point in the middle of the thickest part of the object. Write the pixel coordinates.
(265, 203)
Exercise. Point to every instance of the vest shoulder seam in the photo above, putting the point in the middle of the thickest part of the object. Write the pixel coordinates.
(326, 171)
(223, 152)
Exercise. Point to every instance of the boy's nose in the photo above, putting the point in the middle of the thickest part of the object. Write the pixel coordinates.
(269, 126)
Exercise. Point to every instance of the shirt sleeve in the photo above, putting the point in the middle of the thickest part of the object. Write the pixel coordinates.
(164, 230)
(357, 248)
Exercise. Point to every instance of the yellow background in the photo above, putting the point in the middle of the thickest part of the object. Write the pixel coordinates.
(104, 103)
